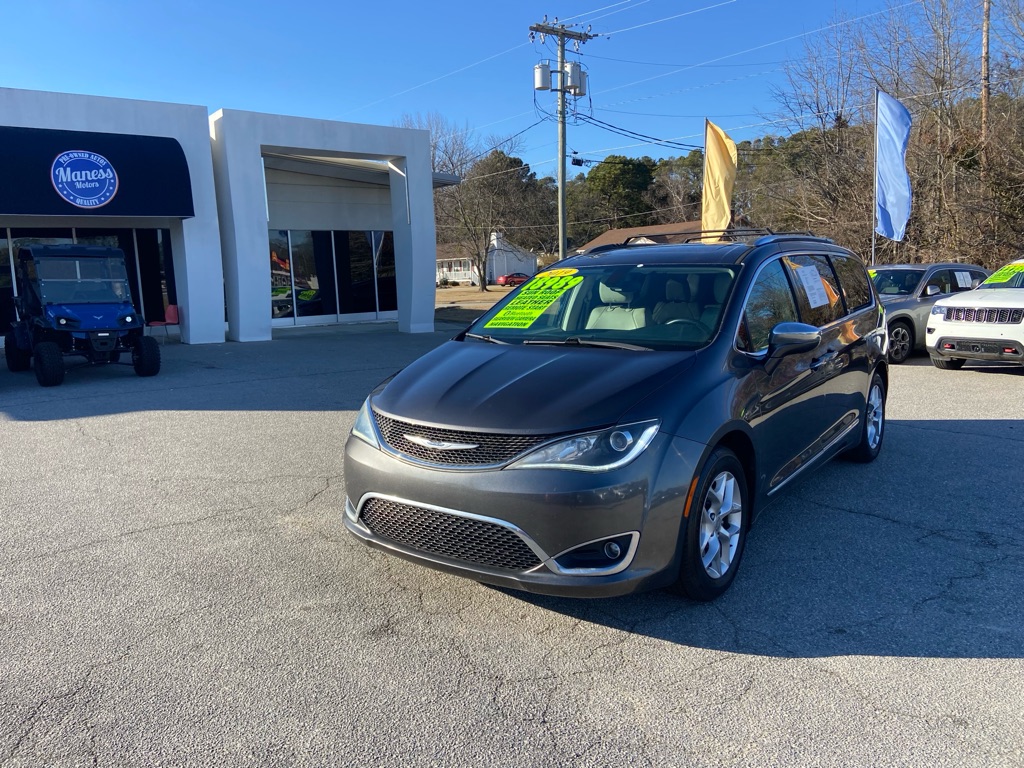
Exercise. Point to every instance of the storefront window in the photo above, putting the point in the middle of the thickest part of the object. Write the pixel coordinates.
(281, 304)
(317, 274)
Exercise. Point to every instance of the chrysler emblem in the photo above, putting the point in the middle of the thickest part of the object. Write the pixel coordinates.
(440, 445)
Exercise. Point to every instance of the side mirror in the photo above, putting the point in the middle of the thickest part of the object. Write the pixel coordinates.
(789, 339)
(975, 283)
(932, 290)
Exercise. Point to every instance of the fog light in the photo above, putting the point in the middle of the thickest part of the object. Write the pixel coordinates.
(612, 550)
(62, 321)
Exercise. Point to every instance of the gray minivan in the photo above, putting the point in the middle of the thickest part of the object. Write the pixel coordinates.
(617, 422)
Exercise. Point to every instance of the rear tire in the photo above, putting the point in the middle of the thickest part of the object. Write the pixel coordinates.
(901, 342)
(48, 362)
(146, 356)
(17, 359)
(873, 429)
(948, 363)
(715, 529)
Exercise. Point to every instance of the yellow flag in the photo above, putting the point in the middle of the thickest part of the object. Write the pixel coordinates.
(719, 175)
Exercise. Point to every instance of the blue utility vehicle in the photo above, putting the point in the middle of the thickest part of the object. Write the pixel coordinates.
(74, 301)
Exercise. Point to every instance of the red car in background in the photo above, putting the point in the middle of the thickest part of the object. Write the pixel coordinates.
(512, 280)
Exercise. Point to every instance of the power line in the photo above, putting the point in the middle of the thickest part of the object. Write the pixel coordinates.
(666, 64)
(669, 18)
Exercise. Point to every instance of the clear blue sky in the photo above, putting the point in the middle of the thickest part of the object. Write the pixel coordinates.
(664, 67)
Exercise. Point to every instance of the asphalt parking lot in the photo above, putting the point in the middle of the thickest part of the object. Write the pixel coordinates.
(177, 588)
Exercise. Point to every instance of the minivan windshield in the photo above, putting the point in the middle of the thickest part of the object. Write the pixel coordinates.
(82, 281)
(1010, 276)
(896, 282)
(635, 307)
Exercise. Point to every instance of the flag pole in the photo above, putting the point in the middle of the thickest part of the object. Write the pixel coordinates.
(874, 196)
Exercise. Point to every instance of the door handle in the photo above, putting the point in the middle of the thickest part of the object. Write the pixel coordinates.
(825, 360)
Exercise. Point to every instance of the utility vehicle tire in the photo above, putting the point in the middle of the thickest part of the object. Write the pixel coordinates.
(948, 363)
(716, 528)
(146, 356)
(48, 362)
(17, 359)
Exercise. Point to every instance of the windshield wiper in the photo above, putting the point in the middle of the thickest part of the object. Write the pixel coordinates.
(576, 341)
(483, 337)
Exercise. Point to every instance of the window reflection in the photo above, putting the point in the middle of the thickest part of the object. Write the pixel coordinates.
(770, 303)
(320, 273)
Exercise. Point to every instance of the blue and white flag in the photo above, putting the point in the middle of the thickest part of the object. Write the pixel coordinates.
(892, 183)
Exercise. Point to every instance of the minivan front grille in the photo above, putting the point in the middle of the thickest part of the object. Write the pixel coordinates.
(983, 315)
(452, 447)
(452, 536)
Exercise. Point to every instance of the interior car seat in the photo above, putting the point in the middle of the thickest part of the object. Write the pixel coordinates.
(617, 312)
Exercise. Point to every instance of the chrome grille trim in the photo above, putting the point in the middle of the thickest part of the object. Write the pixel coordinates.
(1007, 316)
(449, 533)
(470, 450)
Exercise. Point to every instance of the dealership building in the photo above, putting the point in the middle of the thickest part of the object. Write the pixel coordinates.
(244, 221)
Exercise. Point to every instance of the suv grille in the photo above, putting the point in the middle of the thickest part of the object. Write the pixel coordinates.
(489, 449)
(451, 536)
(981, 315)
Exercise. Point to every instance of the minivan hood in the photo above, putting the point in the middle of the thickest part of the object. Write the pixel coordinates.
(526, 389)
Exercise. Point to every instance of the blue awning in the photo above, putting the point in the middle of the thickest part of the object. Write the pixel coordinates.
(78, 173)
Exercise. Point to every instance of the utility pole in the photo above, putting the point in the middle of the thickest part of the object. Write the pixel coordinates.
(985, 85)
(570, 80)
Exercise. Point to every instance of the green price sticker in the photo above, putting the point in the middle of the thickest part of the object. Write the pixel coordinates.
(533, 298)
(1005, 274)
(873, 273)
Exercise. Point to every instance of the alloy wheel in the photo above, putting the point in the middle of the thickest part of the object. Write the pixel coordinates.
(720, 525)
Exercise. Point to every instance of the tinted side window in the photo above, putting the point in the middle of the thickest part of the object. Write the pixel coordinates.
(817, 291)
(963, 279)
(942, 279)
(854, 280)
(770, 302)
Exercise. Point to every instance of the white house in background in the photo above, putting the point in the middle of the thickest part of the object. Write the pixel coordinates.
(503, 258)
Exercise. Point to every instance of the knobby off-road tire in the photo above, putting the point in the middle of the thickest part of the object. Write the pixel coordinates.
(17, 359)
(48, 362)
(146, 356)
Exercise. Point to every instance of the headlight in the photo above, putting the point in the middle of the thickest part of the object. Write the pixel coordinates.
(363, 428)
(938, 310)
(593, 451)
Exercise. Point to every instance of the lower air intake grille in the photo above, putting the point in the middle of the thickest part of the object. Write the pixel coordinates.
(451, 536)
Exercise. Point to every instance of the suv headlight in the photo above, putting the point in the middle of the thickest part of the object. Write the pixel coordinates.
(938, 310)
(593, 451)
(363, 428)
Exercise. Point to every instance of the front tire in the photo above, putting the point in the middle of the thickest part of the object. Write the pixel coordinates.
(948, 363)
(146, 356)
(901, 342)
(17, 359)
(873, 429)
(48, 362)
(715, 528)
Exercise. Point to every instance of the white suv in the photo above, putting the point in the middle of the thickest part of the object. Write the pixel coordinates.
(983, 324)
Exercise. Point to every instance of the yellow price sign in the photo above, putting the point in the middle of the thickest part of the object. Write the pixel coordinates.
(1005, 274)
(535, 297)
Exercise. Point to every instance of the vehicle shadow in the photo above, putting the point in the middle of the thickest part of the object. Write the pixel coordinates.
(920, 554)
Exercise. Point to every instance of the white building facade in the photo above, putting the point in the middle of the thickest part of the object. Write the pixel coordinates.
(244, 221)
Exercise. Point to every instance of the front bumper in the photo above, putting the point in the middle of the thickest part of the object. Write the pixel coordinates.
(537, 530)
(1004, 343)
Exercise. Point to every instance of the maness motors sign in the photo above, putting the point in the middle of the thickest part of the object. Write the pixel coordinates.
(84, 179)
